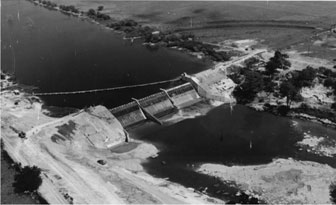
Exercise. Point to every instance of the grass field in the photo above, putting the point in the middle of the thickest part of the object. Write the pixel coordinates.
(217, 20)
(178, 13)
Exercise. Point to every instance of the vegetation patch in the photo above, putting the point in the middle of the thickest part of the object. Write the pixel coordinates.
(278, 82)
(56, 138)
(67, 129)
(28, 179)
(333, 192)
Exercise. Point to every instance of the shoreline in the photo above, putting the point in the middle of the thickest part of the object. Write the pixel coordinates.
(293, 179)
(298, 115)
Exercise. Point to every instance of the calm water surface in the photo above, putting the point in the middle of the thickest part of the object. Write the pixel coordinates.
(242, 137)
(57, 52)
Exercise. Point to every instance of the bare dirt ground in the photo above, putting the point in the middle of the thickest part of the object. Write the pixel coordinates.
(284, 181)
(68, 149)
(318, 145)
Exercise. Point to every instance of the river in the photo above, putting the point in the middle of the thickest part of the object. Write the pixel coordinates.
(57, 52)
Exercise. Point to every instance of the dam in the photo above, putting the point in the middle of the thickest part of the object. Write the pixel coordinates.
(157, 105)
(162, 103)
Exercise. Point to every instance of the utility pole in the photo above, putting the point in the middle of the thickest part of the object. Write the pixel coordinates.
(191, 22)
(308, 47)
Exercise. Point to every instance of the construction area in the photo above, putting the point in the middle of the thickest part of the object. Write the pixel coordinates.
(76, 155)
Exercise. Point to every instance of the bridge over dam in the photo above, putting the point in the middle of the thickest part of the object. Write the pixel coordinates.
(157, 105)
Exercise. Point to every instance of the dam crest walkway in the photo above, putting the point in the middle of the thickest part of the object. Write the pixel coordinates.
(106, 89)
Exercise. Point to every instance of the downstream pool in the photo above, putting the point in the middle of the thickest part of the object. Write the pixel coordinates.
(243, 136)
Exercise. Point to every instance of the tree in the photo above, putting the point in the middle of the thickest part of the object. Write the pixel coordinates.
(329, 82)
(100, 8)
(325, 71)
(251, 62)
(333, 106)
(269, 84)
(252, 84)
(28, 179)
(306, 77)
(278, 61)
(91, 12)
(288, 90)
(332, 192)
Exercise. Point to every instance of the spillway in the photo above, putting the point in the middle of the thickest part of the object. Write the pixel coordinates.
(157, 105)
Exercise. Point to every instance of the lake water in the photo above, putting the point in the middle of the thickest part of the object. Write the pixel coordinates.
(57, 52)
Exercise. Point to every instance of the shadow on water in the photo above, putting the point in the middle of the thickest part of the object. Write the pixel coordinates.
(244, 137)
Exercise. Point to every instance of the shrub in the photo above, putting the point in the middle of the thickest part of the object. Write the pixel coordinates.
(332, 192)
(304, 106)
(269, 85)
(283, 110)
(325, 71)
(288, 90)
(278, 61)
(70, 8)
(235, 77)
(303, 78)
(328, 82)
(249, 63)
(100, 8)
(307, 75)
(333, 106)
(102, 16)
(252, 84)
(91, 12)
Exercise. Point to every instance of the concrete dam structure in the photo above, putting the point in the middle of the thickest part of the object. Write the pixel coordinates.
(157, 105)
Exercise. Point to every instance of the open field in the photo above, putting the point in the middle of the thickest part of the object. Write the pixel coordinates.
(280, 24)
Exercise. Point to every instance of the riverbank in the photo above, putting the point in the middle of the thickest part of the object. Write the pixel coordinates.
(283, 181)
